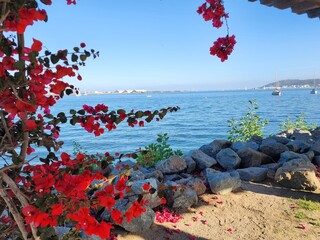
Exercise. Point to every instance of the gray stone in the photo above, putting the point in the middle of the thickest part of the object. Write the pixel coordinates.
(288, 156)
(172, 177)
(202, 160)
(253, 158)
(222, 143)
(238, 146)
(272, 168)
(273, 148)
(298, 174)
(316, 148)
(298, 146)
(191, 164)
(211, 149)
(309, 155)
(223, 182)
(61, 231)
(194, 183)
(317, 160)
(173, 164)
(141, 223)
(253, 174)
(154, 200)
(228, 159)
(302, 135)
(280, 139)
(155, 174)
(179, 196)
(256, 139)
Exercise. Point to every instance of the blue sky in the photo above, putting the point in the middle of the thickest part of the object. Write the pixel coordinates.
(164, 44)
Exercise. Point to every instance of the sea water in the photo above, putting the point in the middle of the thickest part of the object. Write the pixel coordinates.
(202, 118)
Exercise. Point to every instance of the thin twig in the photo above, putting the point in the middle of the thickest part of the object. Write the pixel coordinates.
(5, 128)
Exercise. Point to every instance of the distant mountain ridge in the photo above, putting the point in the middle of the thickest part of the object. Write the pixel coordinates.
(293, 83)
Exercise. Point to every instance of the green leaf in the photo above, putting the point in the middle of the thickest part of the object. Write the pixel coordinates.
(16, 160)
(19, 65)
(81, 112)
(54, 58)
(139, 114)
(72, 111)
(76, 49)
(83, 57)
(74, 57)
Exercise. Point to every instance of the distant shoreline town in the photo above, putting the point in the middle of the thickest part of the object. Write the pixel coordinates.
(287, 84)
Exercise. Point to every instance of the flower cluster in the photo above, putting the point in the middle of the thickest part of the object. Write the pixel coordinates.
(223, 47)
(213, 10)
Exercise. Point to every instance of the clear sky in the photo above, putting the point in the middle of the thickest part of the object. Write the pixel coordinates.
(164, 44)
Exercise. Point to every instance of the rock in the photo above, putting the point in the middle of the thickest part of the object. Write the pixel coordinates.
(178, 196)
(222, 143)
(202, 160)
(141, 223)
(61, 231)
(256, 139)
(172, 177)
(280, 139)
(253, 174)
(223, 182)
(317, 160)
(288, 156)
(272, 168)
(253, 158)
(238, 146)
(228, 159)
(191, 164)
(316, 148)
(136, 175)
(298, 174)
(211, 149)
(155, 174)
(173, 164)
(298, 146)
(196, 184)
(309, 155)
(273, 148)
(154, 200)
(302, 135)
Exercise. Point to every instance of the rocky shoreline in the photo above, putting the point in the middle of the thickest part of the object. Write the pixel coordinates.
(291, 158)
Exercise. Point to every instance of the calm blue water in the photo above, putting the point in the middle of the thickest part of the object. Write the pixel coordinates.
(202, 118)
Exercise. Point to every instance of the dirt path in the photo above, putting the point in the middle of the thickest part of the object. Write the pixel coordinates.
(257, 211)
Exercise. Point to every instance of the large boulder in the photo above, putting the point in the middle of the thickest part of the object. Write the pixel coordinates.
(302, 135)
(288, 156)
(317, 161)
(222, 182)
(298, 146)
(298, 174)
(173, 164)
(202, 160)
(141, 223)
(252, 158)
(273, 148)
(214, 147)
(253, 174)
(316, 148)
(228, 159)
(179, 196)
(153, 198)
(191, 164)
(196, 184)
(238, 146)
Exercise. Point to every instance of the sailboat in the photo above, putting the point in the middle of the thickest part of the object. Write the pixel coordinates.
(276, 91)
(314, 90)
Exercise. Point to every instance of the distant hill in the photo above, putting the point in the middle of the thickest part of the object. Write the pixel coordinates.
(293, 83)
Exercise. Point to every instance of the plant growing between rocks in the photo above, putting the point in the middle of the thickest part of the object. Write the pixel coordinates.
(156, 152)
(299, 124)
(247, 126)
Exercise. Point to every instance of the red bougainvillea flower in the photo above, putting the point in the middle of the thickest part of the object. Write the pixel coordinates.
(167, 216)
(223, 47)
(30, 125)
(117, 216)
(36, 45)
(106, 201)
(83, 45)
(146, 186)
(229, 230)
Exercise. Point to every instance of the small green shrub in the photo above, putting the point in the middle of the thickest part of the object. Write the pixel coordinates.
(299, 124)
(249, 125)
(156, 152)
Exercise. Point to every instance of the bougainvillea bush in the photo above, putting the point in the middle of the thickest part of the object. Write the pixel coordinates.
(60, 191)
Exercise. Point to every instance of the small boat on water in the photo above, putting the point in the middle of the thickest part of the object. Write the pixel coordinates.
(314, 91)
(276, 92)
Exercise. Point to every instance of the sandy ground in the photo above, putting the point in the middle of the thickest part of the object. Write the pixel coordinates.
(256, 211)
